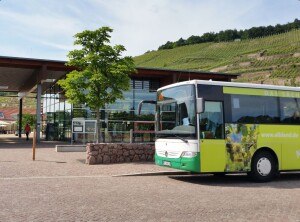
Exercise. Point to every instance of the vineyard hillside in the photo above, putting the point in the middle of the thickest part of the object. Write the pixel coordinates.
(269, 60)
(14, 102)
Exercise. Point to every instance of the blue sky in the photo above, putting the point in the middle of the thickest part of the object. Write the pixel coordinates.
(44, 29)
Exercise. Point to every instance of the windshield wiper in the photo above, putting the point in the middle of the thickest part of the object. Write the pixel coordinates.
(162, 135)
(179, 137)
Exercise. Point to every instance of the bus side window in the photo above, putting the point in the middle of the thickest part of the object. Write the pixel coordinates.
(211, 121)
(290, 110)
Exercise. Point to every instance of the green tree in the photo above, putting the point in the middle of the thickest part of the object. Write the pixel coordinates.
(209, 37)
(180, 42)
(193, 40)
(168, 45)
(102, 72)
(28, 118)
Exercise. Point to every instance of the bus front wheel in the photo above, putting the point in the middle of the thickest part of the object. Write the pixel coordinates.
(263, 167)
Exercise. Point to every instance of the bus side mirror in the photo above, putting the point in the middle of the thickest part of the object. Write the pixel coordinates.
(200, 105)
(144, 101)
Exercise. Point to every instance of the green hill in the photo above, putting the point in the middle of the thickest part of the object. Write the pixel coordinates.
(271, 60)
(14, 102)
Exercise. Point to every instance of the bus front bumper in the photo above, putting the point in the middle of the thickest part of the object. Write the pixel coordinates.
(189, 164)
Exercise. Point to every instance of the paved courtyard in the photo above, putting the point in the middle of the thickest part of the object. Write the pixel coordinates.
(61, 187)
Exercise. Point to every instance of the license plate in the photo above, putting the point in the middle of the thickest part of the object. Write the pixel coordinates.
(166, 163)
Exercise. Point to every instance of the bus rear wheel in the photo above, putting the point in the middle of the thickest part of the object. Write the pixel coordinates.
(263, 167)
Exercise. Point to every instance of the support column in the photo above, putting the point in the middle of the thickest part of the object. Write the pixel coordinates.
(20, 117)
(38, 112)
(174, 78)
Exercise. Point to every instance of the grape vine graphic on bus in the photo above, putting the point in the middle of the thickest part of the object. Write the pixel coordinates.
(241, 143)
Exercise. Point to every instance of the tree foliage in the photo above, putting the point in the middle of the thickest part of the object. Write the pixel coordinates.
(30, 119)
(102, 72)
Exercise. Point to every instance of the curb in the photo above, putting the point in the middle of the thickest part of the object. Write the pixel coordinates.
(160, 173)
(70, 148)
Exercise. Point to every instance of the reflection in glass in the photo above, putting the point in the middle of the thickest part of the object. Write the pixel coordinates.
(176, 112)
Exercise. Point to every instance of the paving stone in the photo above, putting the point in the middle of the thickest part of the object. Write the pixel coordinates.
(61, 187)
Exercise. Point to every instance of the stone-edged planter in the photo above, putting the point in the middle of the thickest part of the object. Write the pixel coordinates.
(105, 153)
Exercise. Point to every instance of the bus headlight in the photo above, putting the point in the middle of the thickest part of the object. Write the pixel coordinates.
(188, 154)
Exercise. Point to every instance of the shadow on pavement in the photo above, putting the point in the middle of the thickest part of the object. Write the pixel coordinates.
(290, 180)
(14, 142)
(50, 161)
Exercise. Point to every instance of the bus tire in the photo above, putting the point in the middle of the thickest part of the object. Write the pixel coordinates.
(263, 167)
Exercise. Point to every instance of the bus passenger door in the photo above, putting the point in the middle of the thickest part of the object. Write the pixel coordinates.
(212, 138)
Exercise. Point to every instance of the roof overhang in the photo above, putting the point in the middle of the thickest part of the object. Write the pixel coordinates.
(183, 75)
(22, 75)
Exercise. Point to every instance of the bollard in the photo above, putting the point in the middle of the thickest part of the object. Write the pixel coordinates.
(33, 144)
(131, 136)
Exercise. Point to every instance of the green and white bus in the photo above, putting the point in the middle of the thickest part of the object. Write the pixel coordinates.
(225, 127)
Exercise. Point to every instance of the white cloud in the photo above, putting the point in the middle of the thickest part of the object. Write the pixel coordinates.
(143, 25)
(47, 27)
(43, 25)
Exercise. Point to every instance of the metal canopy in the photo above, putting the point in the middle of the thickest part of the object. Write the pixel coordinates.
(22, 75)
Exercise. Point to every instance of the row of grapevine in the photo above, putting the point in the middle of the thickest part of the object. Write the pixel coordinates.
(265, 53)
(287, 72)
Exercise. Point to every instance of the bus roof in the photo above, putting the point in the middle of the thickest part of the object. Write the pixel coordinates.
(233, 84)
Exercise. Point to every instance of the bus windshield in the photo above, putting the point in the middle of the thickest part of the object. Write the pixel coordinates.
(176, 116)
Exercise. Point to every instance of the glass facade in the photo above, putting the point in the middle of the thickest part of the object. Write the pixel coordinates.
(120, 121)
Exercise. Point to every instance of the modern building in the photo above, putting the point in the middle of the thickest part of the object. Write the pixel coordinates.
(120, 122)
